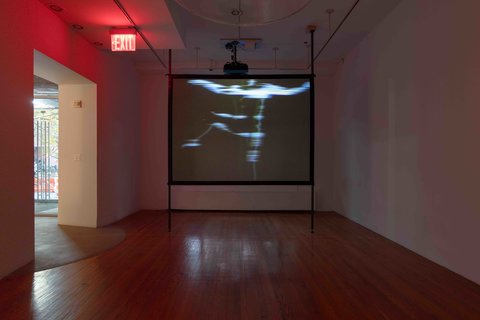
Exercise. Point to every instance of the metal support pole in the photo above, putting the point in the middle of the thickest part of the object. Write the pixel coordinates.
(48, 160)
(312, 39)
(169, 139)
(169, 208)
(312, 71)
(44, 164)
(312, 210)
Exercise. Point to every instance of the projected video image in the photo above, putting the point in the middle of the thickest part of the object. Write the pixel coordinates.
(241, 130)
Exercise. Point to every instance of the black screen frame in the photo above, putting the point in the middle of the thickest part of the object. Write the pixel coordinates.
(309, 77)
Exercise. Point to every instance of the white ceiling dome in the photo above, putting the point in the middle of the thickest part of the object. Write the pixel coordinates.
(243, 12)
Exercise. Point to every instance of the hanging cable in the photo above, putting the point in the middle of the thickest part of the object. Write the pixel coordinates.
(334, 32)
(275, 49)
(329, 12)
(196, 57)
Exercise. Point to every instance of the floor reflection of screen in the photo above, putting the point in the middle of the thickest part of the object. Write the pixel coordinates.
(243, 130)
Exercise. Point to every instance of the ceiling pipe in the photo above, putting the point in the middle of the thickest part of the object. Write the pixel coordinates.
(334, 32)
(196, 57)
(329, 12)
(275, 49)
(311, 29)
(122, 8)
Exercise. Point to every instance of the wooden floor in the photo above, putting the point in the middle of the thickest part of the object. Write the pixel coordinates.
(57, 245)
(244, 266)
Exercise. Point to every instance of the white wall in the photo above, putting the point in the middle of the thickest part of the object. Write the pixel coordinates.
(406, 126)
(154, 141)
(324, 142)
(77, 205)
(118, 143)
(241, 197)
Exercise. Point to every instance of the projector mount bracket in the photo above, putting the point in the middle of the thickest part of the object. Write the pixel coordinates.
(232, 46)
(234, 67)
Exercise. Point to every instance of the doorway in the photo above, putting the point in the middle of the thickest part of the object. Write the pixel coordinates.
(65, 143)
(45, 144)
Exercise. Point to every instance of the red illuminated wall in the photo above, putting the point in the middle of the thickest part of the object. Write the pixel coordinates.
(26, 25)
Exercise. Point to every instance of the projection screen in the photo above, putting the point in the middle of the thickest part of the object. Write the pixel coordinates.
(241, 130)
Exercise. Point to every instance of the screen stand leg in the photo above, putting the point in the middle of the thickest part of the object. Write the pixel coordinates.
(169, 220)
(169, 208)
(312, 210)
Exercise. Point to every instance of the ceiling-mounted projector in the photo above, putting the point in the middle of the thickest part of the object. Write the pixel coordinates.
(234, 67)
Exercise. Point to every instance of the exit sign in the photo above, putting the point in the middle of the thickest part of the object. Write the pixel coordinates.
(123, 39)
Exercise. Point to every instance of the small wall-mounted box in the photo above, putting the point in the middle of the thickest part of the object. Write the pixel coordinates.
(77, 103)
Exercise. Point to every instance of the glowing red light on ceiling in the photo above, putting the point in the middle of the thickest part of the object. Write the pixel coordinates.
(123, 39)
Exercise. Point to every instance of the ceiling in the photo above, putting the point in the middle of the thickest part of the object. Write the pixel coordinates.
(45, 94)
(196, 42)
(43, 87)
